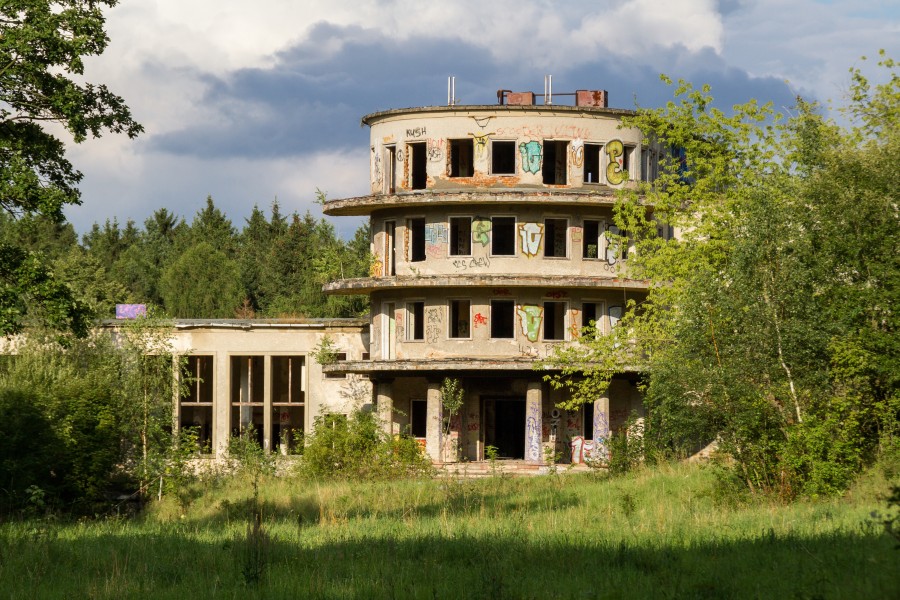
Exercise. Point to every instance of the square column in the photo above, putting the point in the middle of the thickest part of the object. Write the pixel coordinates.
(268, 442)
(533, 423)
(601, 429)
(434, 422)
(384, 404)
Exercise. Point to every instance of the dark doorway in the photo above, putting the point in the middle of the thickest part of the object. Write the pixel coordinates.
(504, 426)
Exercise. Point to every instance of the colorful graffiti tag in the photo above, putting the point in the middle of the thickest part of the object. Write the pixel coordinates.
(530, 318)
(481, 229)
(531, 234)
(531, 156)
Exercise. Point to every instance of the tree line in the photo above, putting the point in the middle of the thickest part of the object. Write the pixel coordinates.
(274, 266)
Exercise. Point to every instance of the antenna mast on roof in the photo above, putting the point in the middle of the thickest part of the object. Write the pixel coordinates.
(548, 89)
(451, 90)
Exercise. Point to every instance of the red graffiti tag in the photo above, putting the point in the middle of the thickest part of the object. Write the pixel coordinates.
(480, 319)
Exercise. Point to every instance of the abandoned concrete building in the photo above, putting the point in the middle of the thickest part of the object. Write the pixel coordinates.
(490, 248)
(489, 234)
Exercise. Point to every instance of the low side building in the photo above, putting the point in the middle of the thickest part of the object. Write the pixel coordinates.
(264, 373)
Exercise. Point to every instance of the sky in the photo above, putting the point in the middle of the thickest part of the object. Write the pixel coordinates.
(253, 102)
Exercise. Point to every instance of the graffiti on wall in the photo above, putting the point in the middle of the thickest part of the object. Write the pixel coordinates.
(481, 230)
(581, 449)
(377, 268)
(416, 132)
(435, 150)
(376, 169)
(480, 140)
(433, 325)
(436, 233)
(476, 262)
(574, 327)
(533, 432)
(601, 434)
(531, 156)
(530, 318)
(480, 319)
(577, 149)
(531, 235)
(615, 169)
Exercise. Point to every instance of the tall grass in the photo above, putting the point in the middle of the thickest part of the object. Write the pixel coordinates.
(661, 533)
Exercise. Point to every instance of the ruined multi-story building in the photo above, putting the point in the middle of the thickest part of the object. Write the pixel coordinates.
(490, 235)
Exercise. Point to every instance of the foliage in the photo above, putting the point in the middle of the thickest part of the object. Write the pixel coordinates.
(453, 397)
(42, 48)
(355, 447)
(325, 352)
(214, 290)
(770, 323)
(98, 416)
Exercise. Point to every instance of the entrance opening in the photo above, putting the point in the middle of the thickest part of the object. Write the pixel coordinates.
(504, 426)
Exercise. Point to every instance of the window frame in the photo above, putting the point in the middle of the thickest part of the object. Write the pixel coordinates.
(564, 308)
(451, 321)
(548, 245)
(515, 166)
(451, 239)
(415, 324)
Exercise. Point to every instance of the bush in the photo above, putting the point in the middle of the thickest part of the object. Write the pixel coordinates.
(355, 447)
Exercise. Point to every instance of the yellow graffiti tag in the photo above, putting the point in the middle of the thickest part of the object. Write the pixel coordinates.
(615, 174)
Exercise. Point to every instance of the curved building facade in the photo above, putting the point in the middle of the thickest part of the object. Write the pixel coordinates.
(490, 241)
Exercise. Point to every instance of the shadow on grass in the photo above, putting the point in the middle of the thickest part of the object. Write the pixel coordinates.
(189, 561)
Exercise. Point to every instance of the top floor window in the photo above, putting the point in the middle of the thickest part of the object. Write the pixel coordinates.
(503, 158)
(462, 158)
(555, 161)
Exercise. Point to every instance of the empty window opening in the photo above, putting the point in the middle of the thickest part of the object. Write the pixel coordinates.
(554, 168)
(589, 318)
(503, 236)
(503, 319)
(460, 236)
(336, 358)
(460, 315)
(288, 402)
(555, 238)
(288, 379)
(416, 228)
(390, 169)
(503, 158)
(418, 418)
(196, 410)
(415, 326)
(592, 163)
(418, 175)
(246, 391)
(554, 321)
(390, 248)
(461, 158)
(590, 247)
(616, 245)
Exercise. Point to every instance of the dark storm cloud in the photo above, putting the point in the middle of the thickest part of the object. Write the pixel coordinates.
(312, 98)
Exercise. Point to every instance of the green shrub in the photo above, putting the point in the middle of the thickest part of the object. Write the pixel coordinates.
(355, 447)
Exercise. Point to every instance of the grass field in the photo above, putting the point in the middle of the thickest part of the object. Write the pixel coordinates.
(660, 533)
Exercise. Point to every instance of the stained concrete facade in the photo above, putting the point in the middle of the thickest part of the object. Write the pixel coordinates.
(491, 247)
(263, 373)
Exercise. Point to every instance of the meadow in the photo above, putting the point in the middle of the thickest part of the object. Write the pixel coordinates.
(666, 532)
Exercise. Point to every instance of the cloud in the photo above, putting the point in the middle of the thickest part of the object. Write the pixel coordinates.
(246, 102)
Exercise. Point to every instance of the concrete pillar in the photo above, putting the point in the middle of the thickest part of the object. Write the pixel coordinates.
(221, 404)
(533, 423)
(384, 404)
(601, 429)
(268, 442)
(472, 425)
(434, 414)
